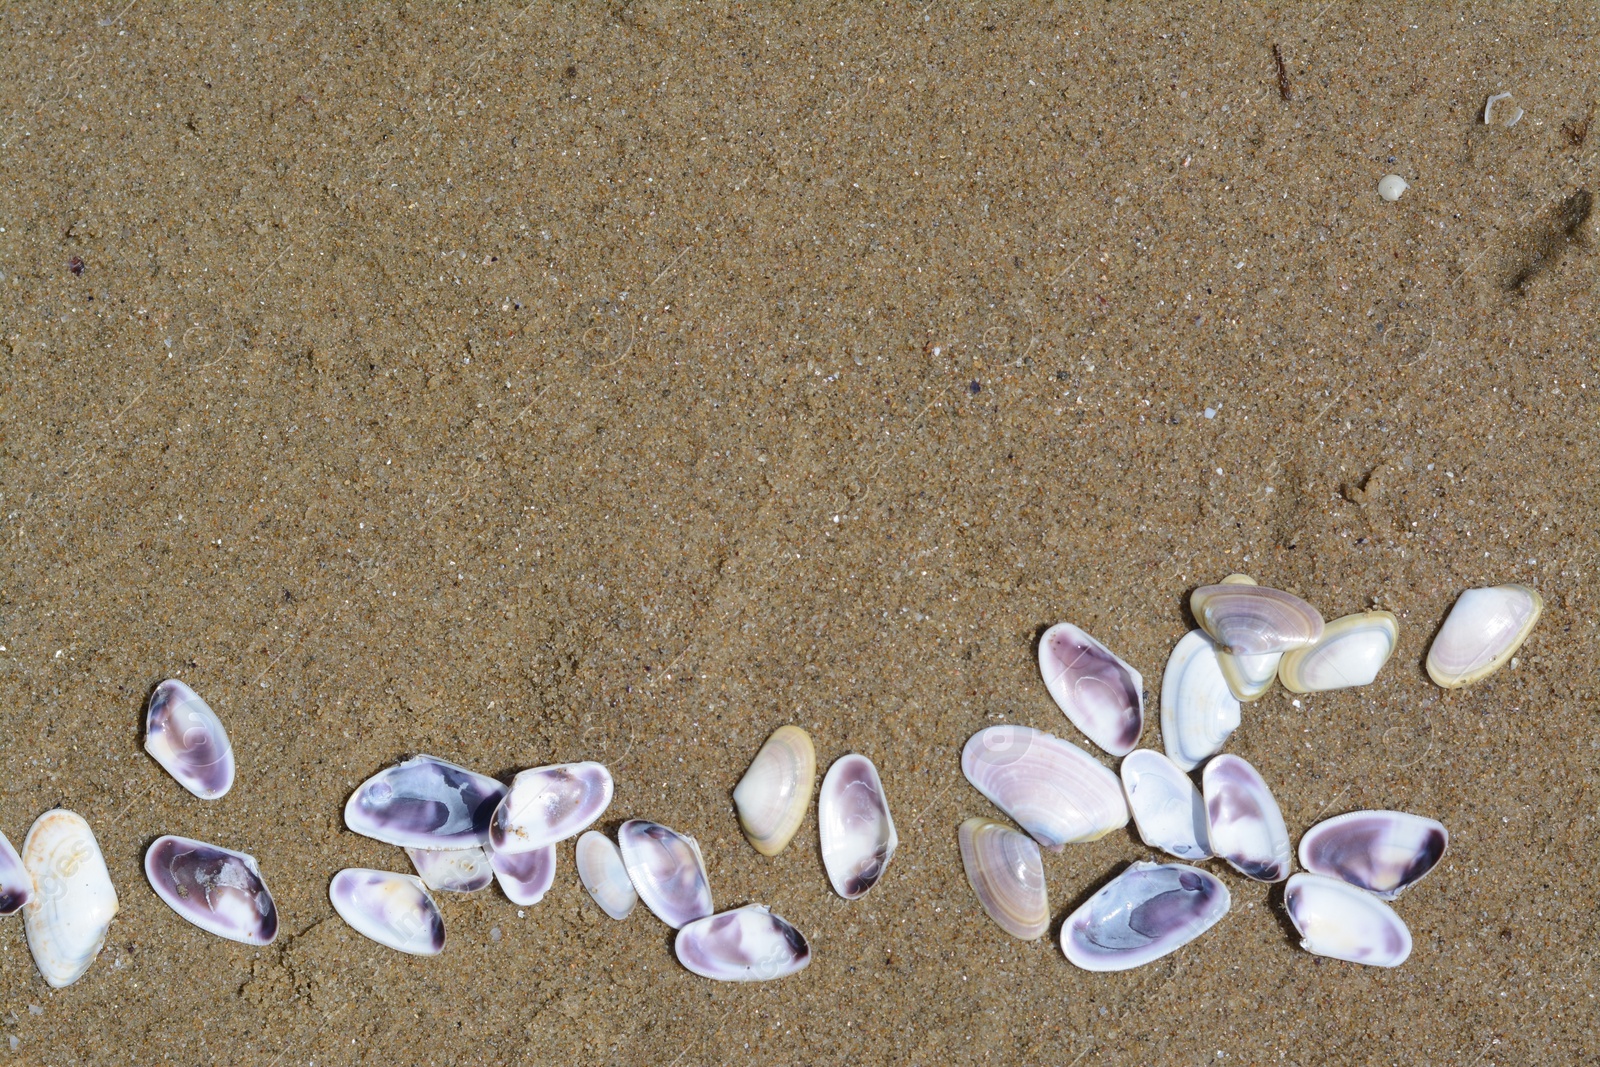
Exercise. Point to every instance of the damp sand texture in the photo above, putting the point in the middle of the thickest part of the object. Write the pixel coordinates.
(620, 382)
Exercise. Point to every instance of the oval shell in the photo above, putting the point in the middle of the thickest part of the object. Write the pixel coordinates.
(1482, 632)
(1096, 690)
(1351, 652)
(1383, 852)
(1254, 620)
(394, 910)
(854, 826)
(73, 902)
(667, 871)
(217, 889)
(748, 944)
(1052, 788)
(184, 735)
(1198, 712)
(549, 804)
(1006, 871)
(1166, 806)
(603, 874)
(1244, 822)
(525, 877)
(1338, 920)
(774, 793)
(424, 802)
(1144, 913)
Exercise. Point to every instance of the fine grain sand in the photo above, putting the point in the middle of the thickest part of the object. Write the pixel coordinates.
(622, 381)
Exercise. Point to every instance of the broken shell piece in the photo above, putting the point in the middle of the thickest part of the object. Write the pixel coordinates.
(1244, 822)
(217, 889)
(1253, 620)
(525, 877)
(1392, 187)
(774, 793)
(394, 910)
(854, 826)
(1338, 920)
(601, 870)
(1482, 632)
(16, 884)
(1166, 806)
(1102, 695)
(1144, 913)
(748, 944)
(1351, 652)
(1382, 852)
(424, 803)
(667, 870)
(1006, 871)
(453, 870)
(73, 900)
(1511, 119)
(1198, 712)
(549, 804)
(1052, 788)
(184, 735)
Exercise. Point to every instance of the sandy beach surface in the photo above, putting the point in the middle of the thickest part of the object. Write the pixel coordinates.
(622, 381)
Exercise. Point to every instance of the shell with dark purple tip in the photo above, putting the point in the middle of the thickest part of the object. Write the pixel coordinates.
(184, 735)
(549, 804)
(217, 889)
(748, 944)
(1337, 920)
(1144, 913)
(667, 870)
(1243, 820)
(854, 826)
(424, 803)
(1101, 694)
(16, 884)
(1382, 852)
(394, 910)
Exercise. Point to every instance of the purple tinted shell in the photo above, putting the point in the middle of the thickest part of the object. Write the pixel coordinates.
(16, 884)
(1144, 913)
(184, 735)
(549, 804)
(424, 803)
(667, 870)
(748, 944)
(525, 877)
(394, 910)
(217, 889)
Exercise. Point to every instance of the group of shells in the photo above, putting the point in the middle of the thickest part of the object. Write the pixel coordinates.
(1249, 636)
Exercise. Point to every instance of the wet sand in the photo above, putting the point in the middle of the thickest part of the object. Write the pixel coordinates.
(622, 382)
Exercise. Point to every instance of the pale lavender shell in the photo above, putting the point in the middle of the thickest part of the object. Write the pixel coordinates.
(1102, 695)
(184, 735)
(748, 944)
(394, 910)
(16, 884)
(549, 804)
(1244, 821)
(667, 870)
(1142, 914)
(453, 870)
(424, 803)
(525, 877)
(217, 889)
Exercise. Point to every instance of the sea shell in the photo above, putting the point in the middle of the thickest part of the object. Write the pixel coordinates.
(424, 803)
(453, 870)
(1336, 919)
(525, 877)
(1482, 632)
(774, 793)
(73, 900)
(604, 875)
(1253, 620)
(1249, 678)
(394, 910)
(1351, 652)
(184, 735)
(1166, 806)
(1144, 913)
(1244, 822)
(16, 884)
(1052, 788)
(854, 825)
(550, 804)
(748, 944)
(667, 870)
(1006, 871)
(1198, 712)
(1383, 852)
(1102, 695)
(217, 889)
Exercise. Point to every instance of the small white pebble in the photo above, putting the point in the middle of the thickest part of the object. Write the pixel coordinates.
(35, 1009)
(1211, 413)
(521, 914)
(494, 933)
(1296, 703)
(1392, 187)
(15, 1043)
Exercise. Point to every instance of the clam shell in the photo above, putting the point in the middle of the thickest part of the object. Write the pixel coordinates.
(774, 793)
(1249, 678)
(525, 877)
(1383, 852)
(1244, 822)
(73, 900)
(1198, 712)
(1253, 620)
(217, 889)
(1166, 806)
(1351, 652)
(748, 944)
(1052, 788)
(667, 870)
(1144, 913)
(603, 874)
(854, 826)
(16, 884)
(1482, 632)
(1102, 695)
(424, 803)
(394, 910)
(550, 804)
(1338, 920)
(184, 735)
(1005, 869)
(453, 870)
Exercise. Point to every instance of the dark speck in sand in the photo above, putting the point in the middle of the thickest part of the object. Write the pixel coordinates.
(975, 388)
(76, 265)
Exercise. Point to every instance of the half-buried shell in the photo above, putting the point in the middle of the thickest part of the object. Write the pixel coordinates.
(1102, 695)
(217, 889)
(184, 735)
(1249, 678)
(16, 884)
(1006, 871)
(394, 910)
(1198, 712)
(1482, 632)
(1244, 822)
(1052, 788)
(1166, 806)
(748, 944)
(1144, 913)
(549, 804)
(603, 874)
(774, 793)
(667, 870)
(1338, 920)
(1351, 652)
(453, 870)
(424, 803)
(854, 826)
(1253, 620)
(1383, 852)
(73, 900)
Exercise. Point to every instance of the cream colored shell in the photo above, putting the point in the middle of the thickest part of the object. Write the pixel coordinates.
(74, 901)
(775, 792)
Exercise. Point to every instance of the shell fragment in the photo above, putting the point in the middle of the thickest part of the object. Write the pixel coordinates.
(73, 901)
(774, 793)
(1338, 920)
(184, 735)
(748, 944)
(1198, 712)
(1350, 652)
(1166, 806)
(525, 877)
(1383, 852)
(16, 884)
(1102, 695)
(1052, 788)
(1244, 822)
(1144, 913)
(394, 910)
(217, 889)
(1482, 632)
(854, 826)
(1006, 871)
(453, 870)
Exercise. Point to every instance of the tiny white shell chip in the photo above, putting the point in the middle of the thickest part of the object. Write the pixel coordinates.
(1392, 187)
(74, 901)
(1337, 920)
(1166, 806)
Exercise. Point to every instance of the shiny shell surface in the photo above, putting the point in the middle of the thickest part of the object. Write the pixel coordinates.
(1052, 788)
(1338, 920)
(748, 944)
(1144, 913)
(1383, 852)
(549, 804)
(1244, 822)
(453, 870)
(1254, 620)
(1006, 872)
(854, 826)
(16, 884)
(604, 875)
(392, 909)
(667, 871)
(73, 902)
(1198, 711)
(773, 795)
(525, 877)
(1350, 652)
(1167, 807)
(424, 803)
(184, 735)
(1096, 690)
(1482, 632)
(217, 889)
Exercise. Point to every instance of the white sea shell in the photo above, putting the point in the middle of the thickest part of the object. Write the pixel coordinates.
(394, 910)
(1338, 920)
(854, 826)
(1244, 822)
(1392, 187)
(748, 944)
(774, 793)
(1482, 632)
(549, 804)
(603, 874)
(1052, 788)
(1249, 678)
(1101, 694)
(1166, 806)
(1253, 620)
(1198, 712)
(184, 735)
(1382, 852)
(525, 877)
(1144, 913)
(73, 901)
(453, 870)
(667, 871)
(1351, 652)
(1006, 871)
